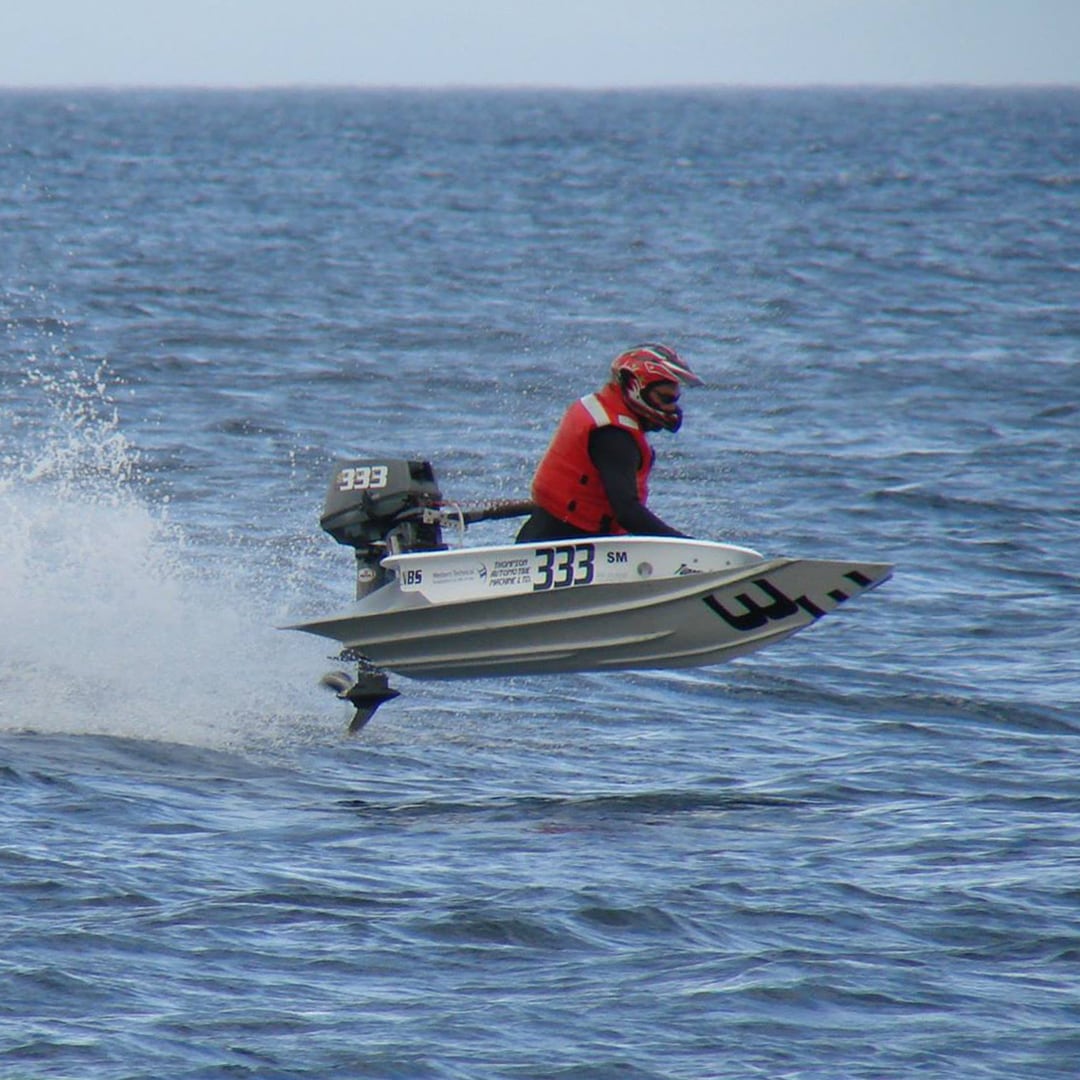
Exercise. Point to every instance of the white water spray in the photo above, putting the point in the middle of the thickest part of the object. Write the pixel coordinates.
(109, 624)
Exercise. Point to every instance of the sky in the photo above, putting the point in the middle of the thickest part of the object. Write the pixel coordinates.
(573, 43)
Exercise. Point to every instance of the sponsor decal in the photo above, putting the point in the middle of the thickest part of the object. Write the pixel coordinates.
(515, 571)
(453, 574)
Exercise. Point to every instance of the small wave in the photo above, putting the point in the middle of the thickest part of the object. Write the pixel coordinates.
(246, 426)
(1059, 412)
(488, 926)
(1059, 180)
(570, 813)
(1008, 715)
(920, 495)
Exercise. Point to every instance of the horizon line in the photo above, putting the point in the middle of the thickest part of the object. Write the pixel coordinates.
(304, 85)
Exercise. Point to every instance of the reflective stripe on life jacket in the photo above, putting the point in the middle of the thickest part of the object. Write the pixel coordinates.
(567, 484)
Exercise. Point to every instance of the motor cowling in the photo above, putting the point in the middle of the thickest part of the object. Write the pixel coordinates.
(377, 506)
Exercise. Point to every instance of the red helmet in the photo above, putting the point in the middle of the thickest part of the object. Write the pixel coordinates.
(637, 371)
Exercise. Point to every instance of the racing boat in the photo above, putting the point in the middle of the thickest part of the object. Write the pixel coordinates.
(604, 603)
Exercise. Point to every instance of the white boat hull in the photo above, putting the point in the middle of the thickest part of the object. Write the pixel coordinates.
(603, 604)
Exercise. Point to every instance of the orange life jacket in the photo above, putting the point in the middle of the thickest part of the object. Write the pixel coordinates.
(567, 484)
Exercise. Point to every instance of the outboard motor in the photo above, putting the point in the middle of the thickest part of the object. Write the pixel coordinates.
(380, 507)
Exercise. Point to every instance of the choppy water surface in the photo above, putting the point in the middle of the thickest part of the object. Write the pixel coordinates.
(853, 855)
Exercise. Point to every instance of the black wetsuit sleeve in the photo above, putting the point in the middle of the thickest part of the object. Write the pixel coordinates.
(615, 455)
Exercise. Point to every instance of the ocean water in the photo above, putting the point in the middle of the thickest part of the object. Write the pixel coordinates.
(854, 855)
